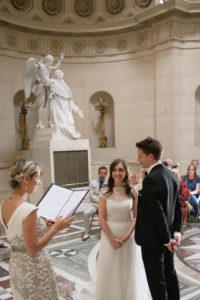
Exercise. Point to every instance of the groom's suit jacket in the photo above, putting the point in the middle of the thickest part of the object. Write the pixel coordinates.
(159, 208)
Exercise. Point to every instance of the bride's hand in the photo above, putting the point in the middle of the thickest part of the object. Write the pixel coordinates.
(124, 238)
(116, 243)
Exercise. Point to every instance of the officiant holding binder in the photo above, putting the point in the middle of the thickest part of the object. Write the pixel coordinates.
(30, 263)
(92, 208)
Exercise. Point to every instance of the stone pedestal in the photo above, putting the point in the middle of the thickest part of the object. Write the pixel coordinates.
(47, 141)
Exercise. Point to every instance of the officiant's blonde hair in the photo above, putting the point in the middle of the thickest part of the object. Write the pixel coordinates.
(19, 168)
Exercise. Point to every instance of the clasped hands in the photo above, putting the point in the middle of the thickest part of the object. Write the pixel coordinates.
(118, 242)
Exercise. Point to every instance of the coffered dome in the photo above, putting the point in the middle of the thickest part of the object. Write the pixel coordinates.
(73, 16)
(93, 28)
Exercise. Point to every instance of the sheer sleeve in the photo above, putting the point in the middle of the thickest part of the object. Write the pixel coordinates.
(103, 193)
(134, 192)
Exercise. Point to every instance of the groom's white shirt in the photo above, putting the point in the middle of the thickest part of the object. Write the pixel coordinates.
(152, 166)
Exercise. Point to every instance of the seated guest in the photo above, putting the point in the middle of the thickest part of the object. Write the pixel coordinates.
(184, 194)
(169, 162)
(184, 197)
(176, 172)
(195, 163)
(92, 208)
(133, 178)
(193, 183)
(141, 175)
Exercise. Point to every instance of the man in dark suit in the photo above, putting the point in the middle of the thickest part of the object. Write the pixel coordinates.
(158, 223)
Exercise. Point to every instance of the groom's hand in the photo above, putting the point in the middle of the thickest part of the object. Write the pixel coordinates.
(172, 246)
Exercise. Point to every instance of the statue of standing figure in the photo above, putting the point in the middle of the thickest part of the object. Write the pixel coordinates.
(51, 92)
(62, 107)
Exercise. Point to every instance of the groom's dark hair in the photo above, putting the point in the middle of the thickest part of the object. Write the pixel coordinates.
(150, 145)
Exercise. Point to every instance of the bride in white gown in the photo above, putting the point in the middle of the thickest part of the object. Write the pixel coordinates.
(120, 270)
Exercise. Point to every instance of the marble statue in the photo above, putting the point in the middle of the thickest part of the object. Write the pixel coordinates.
(62, 107)
(37, 80)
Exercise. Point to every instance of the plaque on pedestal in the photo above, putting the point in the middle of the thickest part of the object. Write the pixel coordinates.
(63, 161)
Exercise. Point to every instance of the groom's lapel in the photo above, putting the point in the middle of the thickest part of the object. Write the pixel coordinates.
(140, 197)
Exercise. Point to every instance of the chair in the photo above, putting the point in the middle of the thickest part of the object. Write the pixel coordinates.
(96, 213)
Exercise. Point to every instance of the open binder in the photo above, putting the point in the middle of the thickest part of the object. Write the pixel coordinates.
(59, 201)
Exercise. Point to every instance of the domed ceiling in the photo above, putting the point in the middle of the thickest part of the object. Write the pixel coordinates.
(92, 28)
(73, 16)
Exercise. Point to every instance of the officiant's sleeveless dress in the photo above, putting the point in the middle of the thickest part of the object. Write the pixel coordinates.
(31, 277)
(120, 272)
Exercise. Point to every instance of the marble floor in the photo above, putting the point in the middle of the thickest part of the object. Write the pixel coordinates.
(74, 262)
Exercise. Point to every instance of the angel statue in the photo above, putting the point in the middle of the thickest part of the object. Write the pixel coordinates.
(37, 80)
(62, 107)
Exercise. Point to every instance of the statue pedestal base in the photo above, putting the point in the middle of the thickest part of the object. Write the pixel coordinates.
(62, 160)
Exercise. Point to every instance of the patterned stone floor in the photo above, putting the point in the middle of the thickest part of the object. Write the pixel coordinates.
(74, 263)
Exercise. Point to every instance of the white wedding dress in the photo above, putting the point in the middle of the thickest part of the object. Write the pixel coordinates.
(120, 272)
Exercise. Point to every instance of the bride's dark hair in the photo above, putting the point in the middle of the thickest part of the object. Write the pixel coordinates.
(110, 183)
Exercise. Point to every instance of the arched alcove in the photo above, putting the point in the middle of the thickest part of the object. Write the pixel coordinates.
(197, 116)
(30, 118)
(94, 117)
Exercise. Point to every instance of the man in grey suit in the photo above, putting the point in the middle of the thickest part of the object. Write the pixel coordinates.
(158, 222)
(92, 207)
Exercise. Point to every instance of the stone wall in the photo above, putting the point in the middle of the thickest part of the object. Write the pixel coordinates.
(147, 62)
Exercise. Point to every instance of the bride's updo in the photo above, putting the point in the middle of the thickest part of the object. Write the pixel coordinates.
(19, 168)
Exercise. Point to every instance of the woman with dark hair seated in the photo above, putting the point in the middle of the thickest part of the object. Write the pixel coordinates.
(193, 184)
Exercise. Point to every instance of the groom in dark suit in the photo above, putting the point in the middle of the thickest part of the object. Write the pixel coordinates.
(158, 223)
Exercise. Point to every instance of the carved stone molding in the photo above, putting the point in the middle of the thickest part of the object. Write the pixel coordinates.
(33, 44)
(83, 8)
(170, 28)
(114, 6)
(11, 40)
(56, 46)
(142, 3)
(121, 45)
(52, 7)
(142, 40)
(100, 46)
(78, 47)
(21, 4)
(189, 29)
(156, 33)
(106, 44)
